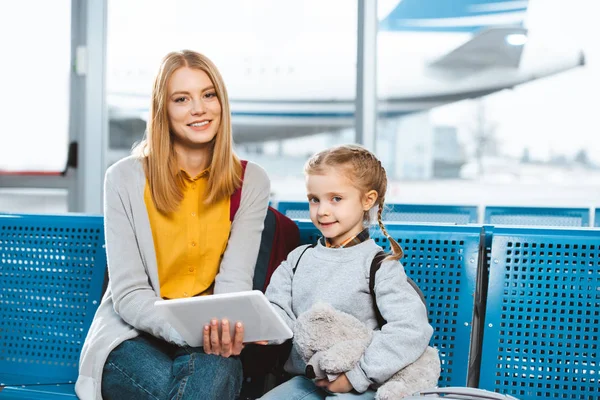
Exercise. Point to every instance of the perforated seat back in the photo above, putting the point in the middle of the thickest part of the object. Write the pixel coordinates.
(541, 337)
(51, 274)
(537, 216)
(430, 214)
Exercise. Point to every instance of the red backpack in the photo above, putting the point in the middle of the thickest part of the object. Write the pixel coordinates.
(280, 236)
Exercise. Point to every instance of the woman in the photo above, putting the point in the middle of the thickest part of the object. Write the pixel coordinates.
(169, 235)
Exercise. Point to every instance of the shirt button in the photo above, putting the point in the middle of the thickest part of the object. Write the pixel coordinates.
(193, 244)
(191, 269)
(193, 186)
(185, 294)
(193, 214)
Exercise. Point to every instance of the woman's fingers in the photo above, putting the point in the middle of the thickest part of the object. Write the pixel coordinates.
(215, 343)
(225, 345)
(225, 339)
(238, 339)
(206, 339)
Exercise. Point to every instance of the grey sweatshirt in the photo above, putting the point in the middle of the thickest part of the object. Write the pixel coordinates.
(340, 277)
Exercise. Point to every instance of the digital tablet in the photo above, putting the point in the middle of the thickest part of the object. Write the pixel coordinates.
(189, 315)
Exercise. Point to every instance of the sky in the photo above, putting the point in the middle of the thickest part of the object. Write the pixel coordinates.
(553, 115)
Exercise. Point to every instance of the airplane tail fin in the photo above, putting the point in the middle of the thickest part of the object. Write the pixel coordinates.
(453, 16)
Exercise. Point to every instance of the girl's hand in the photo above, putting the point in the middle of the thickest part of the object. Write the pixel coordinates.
(340, 385)
(224, 346)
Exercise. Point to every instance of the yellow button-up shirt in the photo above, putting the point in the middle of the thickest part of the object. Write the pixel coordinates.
(189, 242)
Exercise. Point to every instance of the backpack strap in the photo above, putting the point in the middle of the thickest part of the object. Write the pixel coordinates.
(236, 197)
(375, 265)
(310, 246)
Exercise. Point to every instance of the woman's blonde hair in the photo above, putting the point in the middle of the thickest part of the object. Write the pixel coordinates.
(365, 172)
(156, 150)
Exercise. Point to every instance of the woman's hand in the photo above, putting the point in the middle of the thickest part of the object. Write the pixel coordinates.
(224, 346)
(340, 385)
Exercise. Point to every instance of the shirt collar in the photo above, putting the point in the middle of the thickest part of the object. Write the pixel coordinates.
(187, 176)
(353, 241)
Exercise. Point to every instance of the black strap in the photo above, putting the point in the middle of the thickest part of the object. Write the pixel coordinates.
(301, 254)
(375, 265)
(294, 271)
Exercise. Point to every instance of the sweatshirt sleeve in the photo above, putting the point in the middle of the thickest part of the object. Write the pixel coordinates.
(279, 291)
(133, 296)
(239, 260)
(405, 336)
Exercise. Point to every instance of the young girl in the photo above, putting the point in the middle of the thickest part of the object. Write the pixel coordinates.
(343, 184)
(168, 235)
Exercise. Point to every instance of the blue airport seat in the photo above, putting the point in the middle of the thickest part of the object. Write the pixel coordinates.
(39, 392)
(294, 209)
(537, 216)
(430, 214)
(541, 337)
(51, 275)
(442, 260)
(597, 218)
(406, 213)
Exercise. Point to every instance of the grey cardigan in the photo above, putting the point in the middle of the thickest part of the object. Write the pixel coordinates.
(128, 304)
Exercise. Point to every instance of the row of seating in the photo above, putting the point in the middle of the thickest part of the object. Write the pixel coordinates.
(515, 310)
(469, 214)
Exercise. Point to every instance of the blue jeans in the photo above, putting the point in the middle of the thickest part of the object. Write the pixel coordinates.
(302, 388)
(149, 368)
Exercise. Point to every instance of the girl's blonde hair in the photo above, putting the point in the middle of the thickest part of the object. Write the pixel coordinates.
(365, 172)
(165, 179)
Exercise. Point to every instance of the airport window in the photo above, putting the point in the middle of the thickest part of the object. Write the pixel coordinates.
(489, 101)
(472, 97)
(289, 68)
(34, 78)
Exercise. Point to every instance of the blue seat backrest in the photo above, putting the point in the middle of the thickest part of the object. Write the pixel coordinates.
(429, 213)
(442, 260)
(597, 218)
(541, 337)
(294, 209)
(51, 274)
(405, 213)
(537, 216)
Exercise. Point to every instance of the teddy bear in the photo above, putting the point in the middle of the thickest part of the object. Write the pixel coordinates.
(331, 342)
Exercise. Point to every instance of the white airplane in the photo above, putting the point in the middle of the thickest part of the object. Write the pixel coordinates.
(290, 66)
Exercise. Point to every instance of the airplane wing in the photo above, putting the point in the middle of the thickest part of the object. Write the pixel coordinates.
(498, 47)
